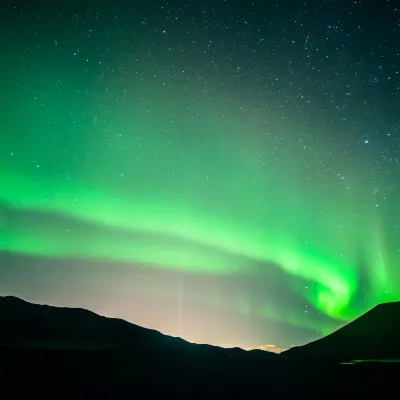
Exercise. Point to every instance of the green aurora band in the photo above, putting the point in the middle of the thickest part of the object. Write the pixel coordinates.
(214, 177)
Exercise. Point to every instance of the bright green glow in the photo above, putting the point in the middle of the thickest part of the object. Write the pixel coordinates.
(334, 292)
(196, 179)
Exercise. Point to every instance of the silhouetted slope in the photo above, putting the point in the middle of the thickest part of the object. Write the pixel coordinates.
(50, 352)
(27, 325)
(375, 335)
(22, 322)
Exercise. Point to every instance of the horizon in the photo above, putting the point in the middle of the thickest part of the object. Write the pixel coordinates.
(265, 347)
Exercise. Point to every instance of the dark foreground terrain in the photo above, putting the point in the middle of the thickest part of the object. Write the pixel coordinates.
(76, 374)
(48, 352)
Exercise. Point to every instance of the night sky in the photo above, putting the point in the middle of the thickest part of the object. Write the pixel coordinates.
(224, 171)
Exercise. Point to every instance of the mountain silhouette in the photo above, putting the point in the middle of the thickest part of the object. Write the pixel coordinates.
(373, 336)
(28, 325)
(69, 353)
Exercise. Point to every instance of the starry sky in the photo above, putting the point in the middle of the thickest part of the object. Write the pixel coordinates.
(224, 171)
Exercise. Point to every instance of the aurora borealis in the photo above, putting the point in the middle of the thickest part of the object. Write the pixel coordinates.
(220, 171)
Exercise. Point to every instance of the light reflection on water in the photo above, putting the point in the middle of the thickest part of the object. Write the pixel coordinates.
(371, 361)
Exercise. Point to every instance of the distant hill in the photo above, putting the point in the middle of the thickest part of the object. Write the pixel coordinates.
(25, 325)
(32, 326)
(69, 353)
(375, 335)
